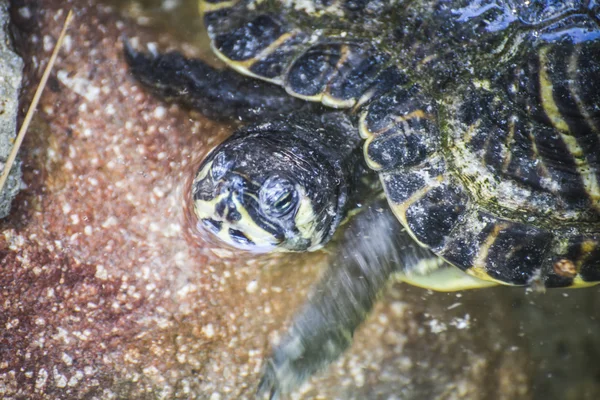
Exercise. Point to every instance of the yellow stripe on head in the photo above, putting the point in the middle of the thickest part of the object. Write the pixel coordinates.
(207, 7)
(306, 221)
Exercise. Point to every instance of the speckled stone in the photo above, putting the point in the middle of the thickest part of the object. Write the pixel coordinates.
(107, 291)
(11, 72)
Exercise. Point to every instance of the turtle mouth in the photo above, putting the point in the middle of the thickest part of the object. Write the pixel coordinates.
(232, 218)
(239, 239)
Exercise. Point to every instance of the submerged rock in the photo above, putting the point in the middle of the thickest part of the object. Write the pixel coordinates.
(11, 71)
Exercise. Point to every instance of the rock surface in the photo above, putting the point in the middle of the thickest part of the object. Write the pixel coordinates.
(11, 72)
(108, 292)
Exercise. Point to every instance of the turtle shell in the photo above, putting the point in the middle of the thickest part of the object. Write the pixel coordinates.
(481, 117)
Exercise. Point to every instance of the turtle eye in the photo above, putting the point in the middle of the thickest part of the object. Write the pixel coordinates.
(278, 196)
(220, 166)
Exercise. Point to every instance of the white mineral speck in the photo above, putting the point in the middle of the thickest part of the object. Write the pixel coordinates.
(158, 192)
(59, 379)
(437, 326)
(398, 308)
(169, 5)
(42, 377)
(66, 208)
(160, 112)
(209, 331)
(67, 359)
(67, 43)
(88, 230)
(101, 272)
(11, 324)
(81, 86)
(48, 43)
(462, 323)
(154, 227)
(48, 110)
(110, 221)
(75, 378)
(252, 286)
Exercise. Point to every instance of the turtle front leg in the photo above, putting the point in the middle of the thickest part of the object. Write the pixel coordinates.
(374, 246)
(217, 93)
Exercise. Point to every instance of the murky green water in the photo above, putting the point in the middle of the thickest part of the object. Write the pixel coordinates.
(178, 18)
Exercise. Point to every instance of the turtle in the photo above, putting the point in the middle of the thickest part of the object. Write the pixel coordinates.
(456, 142)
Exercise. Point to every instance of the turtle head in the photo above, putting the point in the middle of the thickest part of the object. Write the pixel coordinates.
(267, 191)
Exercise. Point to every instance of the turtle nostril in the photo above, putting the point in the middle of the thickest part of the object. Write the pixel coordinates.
(220, 208)
(221, 187)
(232, 183)
(236, 183)
(233, 215)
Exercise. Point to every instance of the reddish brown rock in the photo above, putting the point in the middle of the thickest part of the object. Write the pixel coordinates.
(107, 291)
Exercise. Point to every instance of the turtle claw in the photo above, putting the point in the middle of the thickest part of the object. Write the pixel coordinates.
(287, 368)
(268, 386)
(277, 379)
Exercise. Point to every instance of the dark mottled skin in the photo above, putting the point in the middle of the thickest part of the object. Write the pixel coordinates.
(226, 95)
